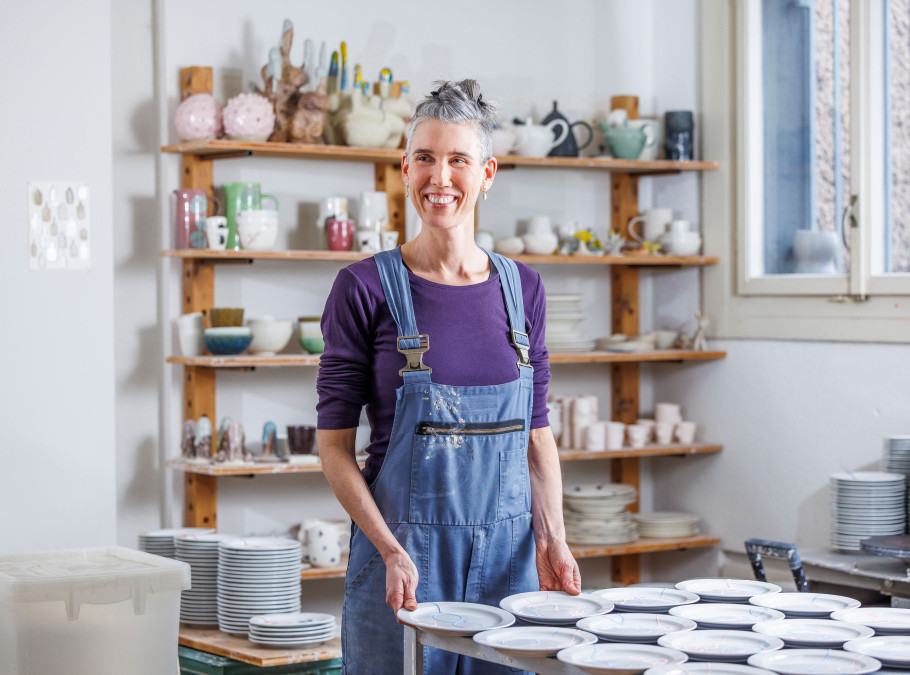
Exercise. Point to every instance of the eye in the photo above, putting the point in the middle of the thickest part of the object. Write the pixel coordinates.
(459, 160)
(424, 158)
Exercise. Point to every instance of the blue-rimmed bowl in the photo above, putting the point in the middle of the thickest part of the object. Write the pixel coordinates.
(228, 340)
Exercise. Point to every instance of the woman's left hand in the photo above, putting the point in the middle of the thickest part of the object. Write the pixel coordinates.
(556, 567)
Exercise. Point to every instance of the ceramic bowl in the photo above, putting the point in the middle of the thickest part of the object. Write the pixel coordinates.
(270, 335)
(311, 334)
(258, 230)
(540, 244)
(681, 243)
(510, 246)
(220, 317)
(228, 341)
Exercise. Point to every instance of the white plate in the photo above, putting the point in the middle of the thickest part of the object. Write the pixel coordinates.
(702, 668)
(288, 645)
(598, 489)
(253, 545)
(804, 604)
(455, 618)
(297, 620)
(892, 650)
(880, 619)
(634, 626)
(533, 640)
(815, 662)
(554, 607)
(726, 614)
(727, 590)
(813, 632)
(646, 598)
(720, 645)
(862, 477)
(619, 659)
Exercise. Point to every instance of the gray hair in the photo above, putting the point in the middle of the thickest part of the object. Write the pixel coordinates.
(459, 102)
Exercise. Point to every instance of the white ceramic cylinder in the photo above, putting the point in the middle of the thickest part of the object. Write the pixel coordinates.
(637, 435)
(595, 436)
(663, 432)
(667, 412)
(615, 435)
(685, 432)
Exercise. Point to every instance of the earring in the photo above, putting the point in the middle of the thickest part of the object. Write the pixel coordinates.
(483, 191)
(407, 190)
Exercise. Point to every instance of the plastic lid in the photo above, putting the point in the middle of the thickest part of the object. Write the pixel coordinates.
(93, 575)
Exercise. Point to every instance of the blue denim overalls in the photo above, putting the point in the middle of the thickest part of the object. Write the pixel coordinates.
(453, 488)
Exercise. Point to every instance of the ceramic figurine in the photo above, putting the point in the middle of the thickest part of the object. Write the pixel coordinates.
(270, 440)
(249, 117)
(187, 443)
(203, 440)
(221, 440)
(233, 445)
(199, 118)
(613, 243)
(700, 338)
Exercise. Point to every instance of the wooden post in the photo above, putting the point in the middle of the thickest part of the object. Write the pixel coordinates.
(628, 103)
(388, 180)
(200, 492)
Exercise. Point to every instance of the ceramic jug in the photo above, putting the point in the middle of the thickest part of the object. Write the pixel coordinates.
(192, 210)
(536, 140)
(569, 147)
(626, 142)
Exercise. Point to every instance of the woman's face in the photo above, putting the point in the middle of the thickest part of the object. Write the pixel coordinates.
(445, 174)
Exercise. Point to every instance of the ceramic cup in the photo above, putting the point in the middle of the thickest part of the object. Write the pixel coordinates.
(665, 338)
(663, 432)
(340, 234)
(216, 232)
(368, 241)
(654, 223)
(241, 197)
(301, 438)
(311, 334)
(637, 435)
(615, 434)
(332, 207)
(649, 425)
(322, 545)
(667, 412)
(554, 417)
(373, 211)
(258, 230)
(389, 239)
(685, 432)
(190, 333)
(595, 436)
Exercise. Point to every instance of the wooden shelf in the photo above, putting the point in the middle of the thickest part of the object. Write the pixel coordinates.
(213, 641)
(285, 360)
(226, 149)
(336, 572)
(647, 451)
(631, 259)
(245, 469)
(644, 545)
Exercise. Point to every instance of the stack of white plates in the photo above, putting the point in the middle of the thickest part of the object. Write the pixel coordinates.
(257, 575)
(296, 630)
(866, 504)
(896, 455)
(554, 608)
(161, 542)
(595, 513)
(199, 604)
(564, 312)
(666, 524)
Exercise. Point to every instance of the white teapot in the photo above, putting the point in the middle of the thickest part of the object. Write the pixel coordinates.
(536, 140)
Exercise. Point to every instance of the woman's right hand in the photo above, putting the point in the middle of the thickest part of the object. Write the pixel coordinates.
(400, 581)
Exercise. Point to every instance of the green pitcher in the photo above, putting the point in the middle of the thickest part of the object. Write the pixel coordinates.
(241, 197)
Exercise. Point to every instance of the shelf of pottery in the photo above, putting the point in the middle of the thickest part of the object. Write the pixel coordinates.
(212, 341)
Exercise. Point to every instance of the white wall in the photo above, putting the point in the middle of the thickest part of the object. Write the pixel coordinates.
(57, 483)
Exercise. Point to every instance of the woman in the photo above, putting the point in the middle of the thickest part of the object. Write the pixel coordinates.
(461, 497)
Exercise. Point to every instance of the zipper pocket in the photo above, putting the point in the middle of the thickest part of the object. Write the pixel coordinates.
(469, 428)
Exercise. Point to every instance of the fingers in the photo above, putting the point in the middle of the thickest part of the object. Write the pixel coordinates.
(410, 600)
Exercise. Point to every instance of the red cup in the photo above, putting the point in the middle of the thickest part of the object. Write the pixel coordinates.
(340, 234)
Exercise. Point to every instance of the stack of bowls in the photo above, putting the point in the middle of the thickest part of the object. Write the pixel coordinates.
(564, 312)
(866, 504)
(161, 542)
(270, 335)
(227, 335)
(595, 513)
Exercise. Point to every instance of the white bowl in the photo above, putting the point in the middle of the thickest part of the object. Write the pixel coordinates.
(270, 335)
(229, 331)
(258, 230)
(510, 246)
(540, 244)
(681, 243)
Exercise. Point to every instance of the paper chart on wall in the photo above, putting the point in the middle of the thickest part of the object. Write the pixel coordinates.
(59, 225)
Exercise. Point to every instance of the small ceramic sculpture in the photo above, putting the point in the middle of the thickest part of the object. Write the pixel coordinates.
(221, 440)
(233, 446)
(198, 118)
(270, 441)
(700, 338)
(249, 117)
(203, 440)
(187, 443)
(613, 243)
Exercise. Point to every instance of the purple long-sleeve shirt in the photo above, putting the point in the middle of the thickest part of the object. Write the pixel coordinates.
(469, 346)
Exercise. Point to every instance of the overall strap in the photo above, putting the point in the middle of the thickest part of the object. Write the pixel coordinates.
(515, 308)
(394, 277)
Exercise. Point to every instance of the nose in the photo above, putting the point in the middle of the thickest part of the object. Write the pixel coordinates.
(442, 174)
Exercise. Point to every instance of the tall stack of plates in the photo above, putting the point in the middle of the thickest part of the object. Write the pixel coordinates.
(666, 524)
(595, 513)
(866, 504)
(161, 542)
(564, 312)
(896, 455)
(199, 604)
(257, 575)
(297, 630)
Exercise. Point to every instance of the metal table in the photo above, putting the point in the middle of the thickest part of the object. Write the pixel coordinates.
(883, 575)
(415, 638)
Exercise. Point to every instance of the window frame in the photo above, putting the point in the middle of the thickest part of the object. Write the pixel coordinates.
(868, 305)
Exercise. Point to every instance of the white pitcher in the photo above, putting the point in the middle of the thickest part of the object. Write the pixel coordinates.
(536, 140)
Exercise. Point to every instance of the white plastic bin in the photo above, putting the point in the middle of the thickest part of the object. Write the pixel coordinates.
(93, 611)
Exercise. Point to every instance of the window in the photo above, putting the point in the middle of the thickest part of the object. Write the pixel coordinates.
(819, 148)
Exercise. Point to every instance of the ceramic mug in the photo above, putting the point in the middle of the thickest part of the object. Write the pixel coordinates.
(654, 223)
(191, 334)
(685, 432)
(216, 232)
(615, 435)
(389, 239)
(340, 234)
(595, 436)
(332, 207)
(241, 197)
(667, 412)
(637, 434)
(368, 241)
(373, 211)
(301, 438)
(322, 544)
(663, 432)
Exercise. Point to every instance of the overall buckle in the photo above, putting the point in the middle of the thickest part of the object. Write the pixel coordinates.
(522, 345)
(414, 355)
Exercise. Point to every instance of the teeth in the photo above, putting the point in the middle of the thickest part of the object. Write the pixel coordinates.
(441, 199)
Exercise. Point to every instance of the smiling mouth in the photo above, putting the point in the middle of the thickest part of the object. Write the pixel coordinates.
(441, 200)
